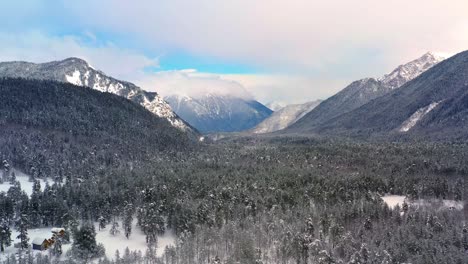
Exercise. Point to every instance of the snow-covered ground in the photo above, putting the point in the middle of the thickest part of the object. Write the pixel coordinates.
(111, 243)
(26, 185)
(137, 240)
(393, 200)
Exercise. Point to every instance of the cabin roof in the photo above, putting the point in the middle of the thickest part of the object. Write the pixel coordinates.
(57, 229)
(39, 240)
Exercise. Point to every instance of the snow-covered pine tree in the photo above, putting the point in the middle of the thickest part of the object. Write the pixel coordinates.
(5, 235)
(102, 222)
(128, 219)
(57, 249)
(35, 205)
(114, 228)
(84, 245)
(22, 225)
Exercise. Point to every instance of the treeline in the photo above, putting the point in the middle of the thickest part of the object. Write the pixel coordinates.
(272, 202)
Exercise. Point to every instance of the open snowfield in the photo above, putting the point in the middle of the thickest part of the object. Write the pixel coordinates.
(136, 241)
(393, 200)
(26, 185)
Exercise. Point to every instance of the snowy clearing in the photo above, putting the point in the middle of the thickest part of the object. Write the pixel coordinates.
(137, 241)
(26, 185)
(393, 200)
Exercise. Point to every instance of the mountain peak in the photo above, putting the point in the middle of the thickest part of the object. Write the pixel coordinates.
(410, 70)
(75, 61)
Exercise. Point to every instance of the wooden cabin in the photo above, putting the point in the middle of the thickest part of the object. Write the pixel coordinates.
(41, 243)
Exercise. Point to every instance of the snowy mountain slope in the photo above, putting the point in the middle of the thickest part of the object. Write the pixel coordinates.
(433, 105)
(363, 91)
(275, 105)
(284, 117)
(406, 72)
(79, 72)
(217, 112)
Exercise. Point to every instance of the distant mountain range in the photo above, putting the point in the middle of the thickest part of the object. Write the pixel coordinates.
(363, 91)
(211, 113)
(434, 105)
(79, 72)
(284, 117)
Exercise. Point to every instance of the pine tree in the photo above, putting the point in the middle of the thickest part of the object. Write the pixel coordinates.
(115, 227)
(57, 249)
(22, 227)
(5, 171)
(84, 243)
(102, 222)
(35, 205)
(5, 235)
(12, 178)
(128, 219)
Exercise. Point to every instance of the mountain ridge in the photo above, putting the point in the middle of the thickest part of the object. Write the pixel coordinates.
(219, 113)
(363, 91)
(421, 99)
(78, 71)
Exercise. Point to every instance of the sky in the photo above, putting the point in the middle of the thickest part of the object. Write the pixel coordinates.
(272, 50)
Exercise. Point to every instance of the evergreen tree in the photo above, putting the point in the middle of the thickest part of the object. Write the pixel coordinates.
(102, 222)
(22, 225)
(84, 243)
(57, 249)
(128, 219)
(5, 235)
(35, 205)
(114, 228)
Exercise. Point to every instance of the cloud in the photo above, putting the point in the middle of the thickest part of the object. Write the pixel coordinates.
(287, 89)
(192, 83)
(292, 36)
(304, 49)
(38, 47)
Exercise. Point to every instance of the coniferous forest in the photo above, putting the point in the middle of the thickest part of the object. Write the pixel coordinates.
(246, 200)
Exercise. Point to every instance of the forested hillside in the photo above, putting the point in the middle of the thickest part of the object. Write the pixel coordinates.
(285, 200)
(53, 129)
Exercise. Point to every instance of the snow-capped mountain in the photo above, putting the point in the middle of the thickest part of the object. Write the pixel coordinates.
(79, 72)
(363, 91)
(284, 117)
(406, 72)
(275, 105)
(433, 105)
(218, 112)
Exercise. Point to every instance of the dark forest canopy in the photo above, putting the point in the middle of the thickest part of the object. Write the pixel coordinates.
(63, 123)
(244, 200)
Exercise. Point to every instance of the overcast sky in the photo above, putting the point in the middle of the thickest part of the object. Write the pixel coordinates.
(290, 51)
